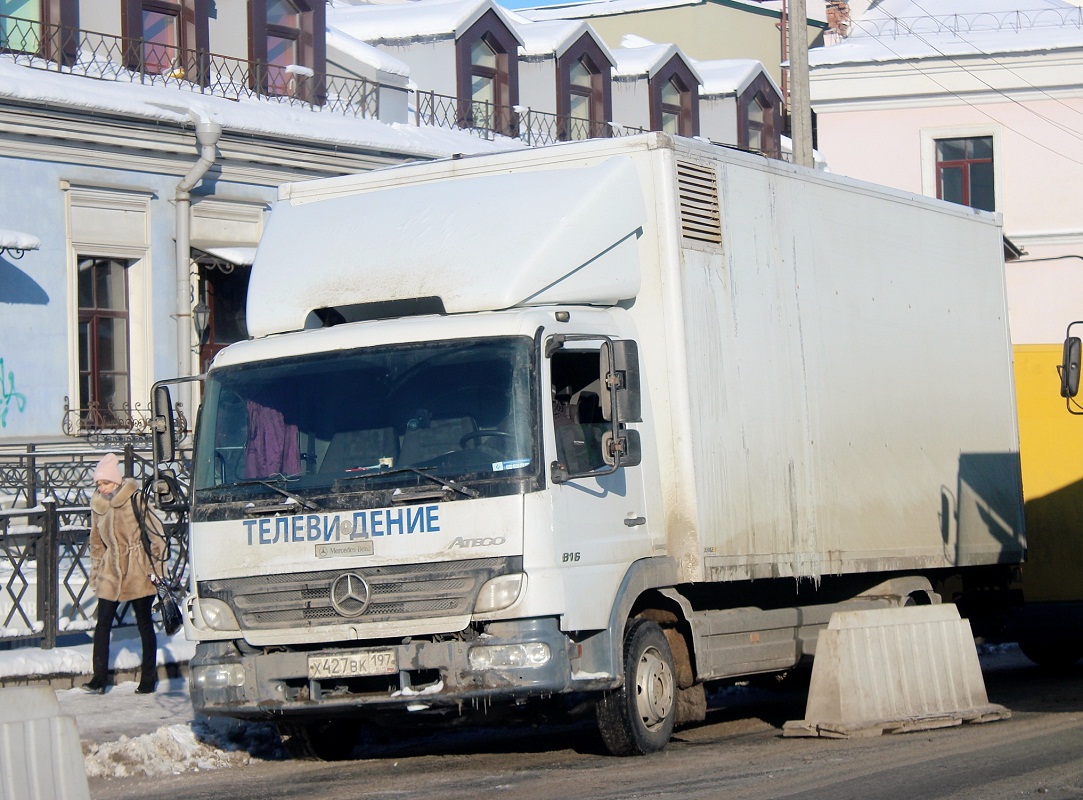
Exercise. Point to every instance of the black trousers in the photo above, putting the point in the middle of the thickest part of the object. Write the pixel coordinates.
(107, 610)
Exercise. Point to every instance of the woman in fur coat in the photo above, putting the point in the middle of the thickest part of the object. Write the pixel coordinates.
(121, 570)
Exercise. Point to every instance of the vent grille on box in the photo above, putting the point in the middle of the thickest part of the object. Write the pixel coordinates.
(698, 189)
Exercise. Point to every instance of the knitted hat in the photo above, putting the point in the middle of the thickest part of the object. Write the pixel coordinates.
(108, 469)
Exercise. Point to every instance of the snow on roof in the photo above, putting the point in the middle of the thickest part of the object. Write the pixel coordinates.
(899, 30)
(730, 75)
(365, 53)
(415, 19)
(639, 56)
(17, 240)
(247, 115)
(555, 37)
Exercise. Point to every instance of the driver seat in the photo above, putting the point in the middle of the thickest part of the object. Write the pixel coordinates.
(439, 437)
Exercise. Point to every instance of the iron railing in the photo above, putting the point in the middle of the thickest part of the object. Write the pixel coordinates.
(534, 128)
(45, 540)
(114, 58)
(108, 426)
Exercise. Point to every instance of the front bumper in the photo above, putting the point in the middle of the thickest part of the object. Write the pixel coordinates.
(432, 676)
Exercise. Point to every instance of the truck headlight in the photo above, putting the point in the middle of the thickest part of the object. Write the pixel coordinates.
(214, 615)
(218, 676)
(504, 656)
(499, 593)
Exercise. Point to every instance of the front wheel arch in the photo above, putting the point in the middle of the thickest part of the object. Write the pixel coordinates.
(638, 717)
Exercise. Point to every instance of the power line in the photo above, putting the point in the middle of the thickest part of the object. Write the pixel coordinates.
(912, 62)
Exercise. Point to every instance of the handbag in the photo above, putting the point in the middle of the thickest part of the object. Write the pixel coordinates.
(168, 604)
(169, 607)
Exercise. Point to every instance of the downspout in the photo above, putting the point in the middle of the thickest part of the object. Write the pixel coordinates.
(207, 135)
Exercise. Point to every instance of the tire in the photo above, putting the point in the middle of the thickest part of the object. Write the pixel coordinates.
(1053, 653)
(638, 718)
(322, 740)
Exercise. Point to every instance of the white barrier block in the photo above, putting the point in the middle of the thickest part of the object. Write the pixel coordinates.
(894, 670)
(40, 755)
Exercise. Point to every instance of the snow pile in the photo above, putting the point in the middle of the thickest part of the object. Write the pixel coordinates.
(183, 747)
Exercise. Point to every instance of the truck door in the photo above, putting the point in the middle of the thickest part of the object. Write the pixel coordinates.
(599, 515)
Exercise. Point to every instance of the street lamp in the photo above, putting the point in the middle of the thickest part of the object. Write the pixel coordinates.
(201, 316)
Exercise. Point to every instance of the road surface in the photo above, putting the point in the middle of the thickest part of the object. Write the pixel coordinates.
(737, 753)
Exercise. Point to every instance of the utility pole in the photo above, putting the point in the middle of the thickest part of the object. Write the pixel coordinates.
(800, 102)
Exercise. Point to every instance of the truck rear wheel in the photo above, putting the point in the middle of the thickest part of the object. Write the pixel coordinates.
(638, 718)
(322, 740)
(1053, 653)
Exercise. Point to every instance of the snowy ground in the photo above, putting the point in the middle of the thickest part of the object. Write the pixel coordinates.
(125, 734)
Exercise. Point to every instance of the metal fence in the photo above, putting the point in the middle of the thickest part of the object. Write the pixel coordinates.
(45, 587)
(534, 128)
(114, 58)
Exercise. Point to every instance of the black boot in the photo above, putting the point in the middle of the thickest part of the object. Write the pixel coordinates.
(147, 686)
(95, 686)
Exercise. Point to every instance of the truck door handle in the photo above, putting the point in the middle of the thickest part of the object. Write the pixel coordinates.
(632, 522)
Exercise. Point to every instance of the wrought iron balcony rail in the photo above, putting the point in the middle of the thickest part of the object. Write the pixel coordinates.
(106, 57)
(45, 589)
(534, 128)
(114, 58)
(113, 426)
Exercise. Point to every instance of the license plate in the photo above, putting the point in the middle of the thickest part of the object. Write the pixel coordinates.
(352, 665)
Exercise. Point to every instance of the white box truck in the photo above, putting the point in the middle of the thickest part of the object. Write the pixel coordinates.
(603, 422)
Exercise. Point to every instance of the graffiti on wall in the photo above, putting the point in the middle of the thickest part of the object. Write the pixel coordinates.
(8, 396)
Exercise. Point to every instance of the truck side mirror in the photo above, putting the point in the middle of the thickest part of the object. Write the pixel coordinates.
(1069, 367)
(619, 371)
(163, 437)
(623, 450)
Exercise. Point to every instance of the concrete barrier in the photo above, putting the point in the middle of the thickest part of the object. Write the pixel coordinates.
(895, 670)
(40, 755)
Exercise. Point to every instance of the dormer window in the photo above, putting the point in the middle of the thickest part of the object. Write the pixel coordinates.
(488, 75)
(584, 99)
(673, 100)
(288, 46)
(759, 118)
(166, 37)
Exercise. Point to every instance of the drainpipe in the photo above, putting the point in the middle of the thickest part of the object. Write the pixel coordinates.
(207, 135)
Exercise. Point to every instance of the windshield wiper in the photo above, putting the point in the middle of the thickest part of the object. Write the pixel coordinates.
(288, 495)
(465, 490)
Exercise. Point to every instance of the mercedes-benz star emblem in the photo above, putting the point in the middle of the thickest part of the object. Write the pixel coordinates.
(350, 594)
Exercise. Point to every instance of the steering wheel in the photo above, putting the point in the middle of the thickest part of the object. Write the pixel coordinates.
(469, 437)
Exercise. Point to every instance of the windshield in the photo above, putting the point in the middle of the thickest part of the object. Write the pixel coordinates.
(375, 418)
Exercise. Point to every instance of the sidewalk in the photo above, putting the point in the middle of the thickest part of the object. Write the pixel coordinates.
(124, 733)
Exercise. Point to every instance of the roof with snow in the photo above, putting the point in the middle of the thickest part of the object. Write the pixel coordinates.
(555, 37)
(414, 19)
(730, 76)
(900, 30)
(639, 56)
(247, 115)
(365, 53)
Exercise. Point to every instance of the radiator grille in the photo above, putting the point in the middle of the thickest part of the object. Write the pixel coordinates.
(697, 187)
(398, 592)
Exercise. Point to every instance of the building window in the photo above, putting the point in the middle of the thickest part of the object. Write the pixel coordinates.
(759, 118)
(167, 37)
(674, 100)
(288, 46)
(584, 93)
(224, 289)
(488, 81)
(104, 385)
(47, 28)
(964, 171)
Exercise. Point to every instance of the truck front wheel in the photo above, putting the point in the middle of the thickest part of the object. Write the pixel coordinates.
(323, 740)
(638, 718)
